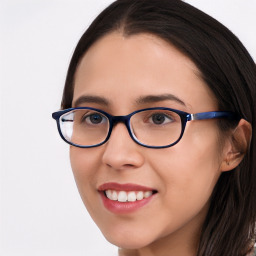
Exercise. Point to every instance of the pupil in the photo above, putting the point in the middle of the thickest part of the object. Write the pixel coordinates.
(95, 119)
(158, 118)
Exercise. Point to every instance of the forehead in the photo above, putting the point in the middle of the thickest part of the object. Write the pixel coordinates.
(122, 69)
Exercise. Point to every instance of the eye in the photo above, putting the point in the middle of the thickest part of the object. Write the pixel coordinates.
(160, 118)
(94, 118)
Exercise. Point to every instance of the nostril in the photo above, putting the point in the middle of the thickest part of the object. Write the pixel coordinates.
(128, 165)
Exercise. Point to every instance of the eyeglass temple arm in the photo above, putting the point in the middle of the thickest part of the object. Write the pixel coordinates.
(212, 115)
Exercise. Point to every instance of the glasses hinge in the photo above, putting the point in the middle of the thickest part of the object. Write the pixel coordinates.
(193, 117)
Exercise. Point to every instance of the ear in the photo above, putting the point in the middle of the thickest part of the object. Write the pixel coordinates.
(236, 146)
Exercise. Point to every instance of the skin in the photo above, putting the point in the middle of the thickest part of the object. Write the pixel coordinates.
(122, 69)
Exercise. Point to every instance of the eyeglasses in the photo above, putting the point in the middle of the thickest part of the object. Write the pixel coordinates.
(159, 127)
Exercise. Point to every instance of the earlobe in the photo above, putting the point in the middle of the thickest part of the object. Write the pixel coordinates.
(237, 145)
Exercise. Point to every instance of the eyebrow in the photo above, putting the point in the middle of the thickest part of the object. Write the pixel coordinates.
(158, 98)
(141, 100)
(91, 99)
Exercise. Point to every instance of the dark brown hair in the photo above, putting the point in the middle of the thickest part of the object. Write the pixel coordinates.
(228, 70)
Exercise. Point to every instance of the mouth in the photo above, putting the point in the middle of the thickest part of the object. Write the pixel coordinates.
(125, 198)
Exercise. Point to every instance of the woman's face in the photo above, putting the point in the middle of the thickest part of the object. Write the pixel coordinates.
(119, 73)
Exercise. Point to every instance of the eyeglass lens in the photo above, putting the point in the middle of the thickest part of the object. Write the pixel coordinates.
(85, 127)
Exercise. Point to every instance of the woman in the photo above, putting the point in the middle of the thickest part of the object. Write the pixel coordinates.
(159, 109)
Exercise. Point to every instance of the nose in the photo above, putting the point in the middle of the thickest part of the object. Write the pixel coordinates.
(121, 152)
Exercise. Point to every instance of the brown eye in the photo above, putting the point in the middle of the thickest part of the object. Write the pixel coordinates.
(160, 118)
(95, 118)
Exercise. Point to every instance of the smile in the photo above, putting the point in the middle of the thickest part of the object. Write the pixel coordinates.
(125, 198)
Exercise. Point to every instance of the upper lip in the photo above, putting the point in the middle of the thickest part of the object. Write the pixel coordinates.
(124, 187)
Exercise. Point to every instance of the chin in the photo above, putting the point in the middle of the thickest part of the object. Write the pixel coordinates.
(131, 245)
(129, 241)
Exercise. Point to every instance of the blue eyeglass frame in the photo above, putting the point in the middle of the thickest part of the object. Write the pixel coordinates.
(185, 117)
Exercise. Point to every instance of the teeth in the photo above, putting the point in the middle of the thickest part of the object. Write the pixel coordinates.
(131, 196)
(108, 194)
(124, 196)
(114, 196)
(140, 195)
(147, 194)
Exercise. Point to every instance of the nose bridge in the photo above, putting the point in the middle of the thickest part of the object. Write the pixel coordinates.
(120, 150)
(121, 119)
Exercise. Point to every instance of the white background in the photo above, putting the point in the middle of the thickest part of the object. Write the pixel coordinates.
(40, 209)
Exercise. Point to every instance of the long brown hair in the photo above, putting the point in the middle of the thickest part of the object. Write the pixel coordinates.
(228, 70)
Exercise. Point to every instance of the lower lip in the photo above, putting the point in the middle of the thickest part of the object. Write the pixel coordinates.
(126, 207)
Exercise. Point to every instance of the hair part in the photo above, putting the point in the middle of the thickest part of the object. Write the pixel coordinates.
(228, 70)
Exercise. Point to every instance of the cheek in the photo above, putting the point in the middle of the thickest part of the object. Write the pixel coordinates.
(84, 163)
(189, 172)
(199, 151)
